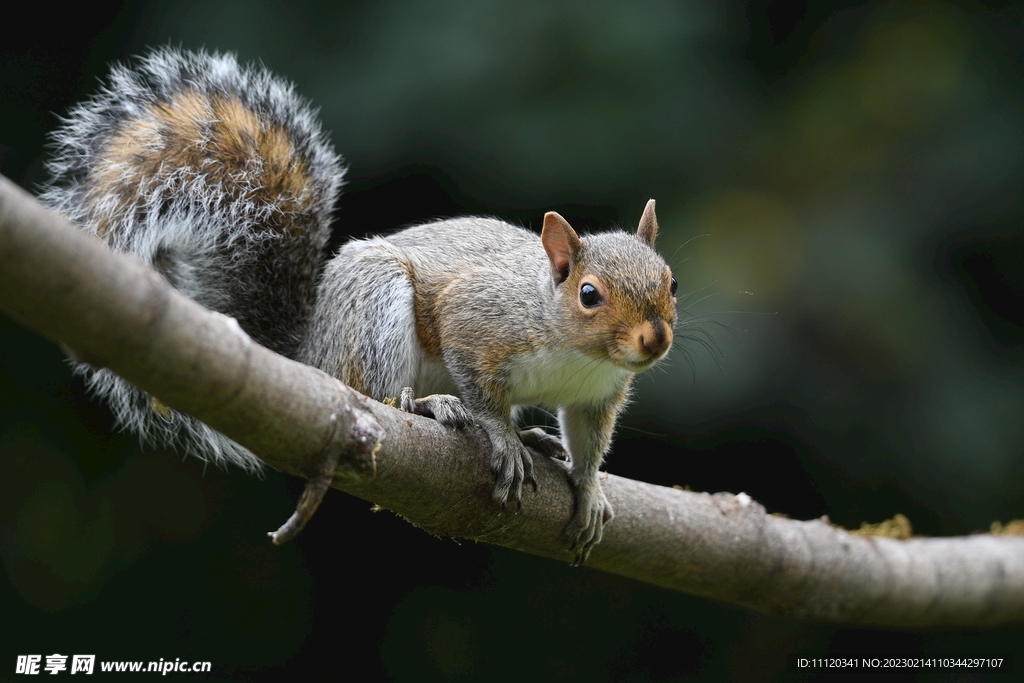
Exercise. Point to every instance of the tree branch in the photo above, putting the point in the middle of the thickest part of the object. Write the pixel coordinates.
(113, 311)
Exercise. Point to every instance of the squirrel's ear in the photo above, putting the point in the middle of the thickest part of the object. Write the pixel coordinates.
(561, 243)
(648, 230)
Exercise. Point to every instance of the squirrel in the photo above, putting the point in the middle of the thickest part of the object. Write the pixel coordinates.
(221, 178)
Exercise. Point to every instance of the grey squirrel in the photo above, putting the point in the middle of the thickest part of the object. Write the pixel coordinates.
(220, 177)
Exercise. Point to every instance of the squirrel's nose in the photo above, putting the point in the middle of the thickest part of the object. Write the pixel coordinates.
(655, 338)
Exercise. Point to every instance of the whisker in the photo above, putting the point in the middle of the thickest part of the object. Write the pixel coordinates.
(686, 301)
(630, 428)
(673, 256)
(710, 346)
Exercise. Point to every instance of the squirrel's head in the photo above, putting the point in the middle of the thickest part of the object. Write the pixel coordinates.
(618, 294)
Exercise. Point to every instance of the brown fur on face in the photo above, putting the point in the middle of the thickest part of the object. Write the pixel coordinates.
(633, 324)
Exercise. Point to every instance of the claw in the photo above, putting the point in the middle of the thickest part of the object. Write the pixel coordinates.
(511, 465)
(587, 525)
(541, 442)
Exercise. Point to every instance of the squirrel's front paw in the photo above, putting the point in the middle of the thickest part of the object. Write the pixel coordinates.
(445, 408)
(512, 466)
(585, 529)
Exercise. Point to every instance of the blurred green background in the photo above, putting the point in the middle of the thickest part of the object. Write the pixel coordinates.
(838, 186)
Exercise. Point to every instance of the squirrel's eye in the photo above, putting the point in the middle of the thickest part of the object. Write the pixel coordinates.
(589, 296)
(674, 286)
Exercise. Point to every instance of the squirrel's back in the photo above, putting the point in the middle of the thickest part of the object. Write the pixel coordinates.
(220, 177)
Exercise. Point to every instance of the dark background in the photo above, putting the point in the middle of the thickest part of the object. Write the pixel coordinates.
(838, 185)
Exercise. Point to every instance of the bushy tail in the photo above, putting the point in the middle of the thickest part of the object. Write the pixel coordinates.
(220, 177)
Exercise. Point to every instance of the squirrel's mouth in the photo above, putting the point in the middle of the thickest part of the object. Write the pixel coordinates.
(647, 364)
(634, 362)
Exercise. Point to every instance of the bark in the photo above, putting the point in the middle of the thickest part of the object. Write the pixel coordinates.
(113, 311)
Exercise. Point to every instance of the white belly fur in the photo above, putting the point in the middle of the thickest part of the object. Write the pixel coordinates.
(562, 378)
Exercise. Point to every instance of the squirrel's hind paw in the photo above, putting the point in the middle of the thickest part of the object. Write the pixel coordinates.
(543, 443)
(445, 408)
